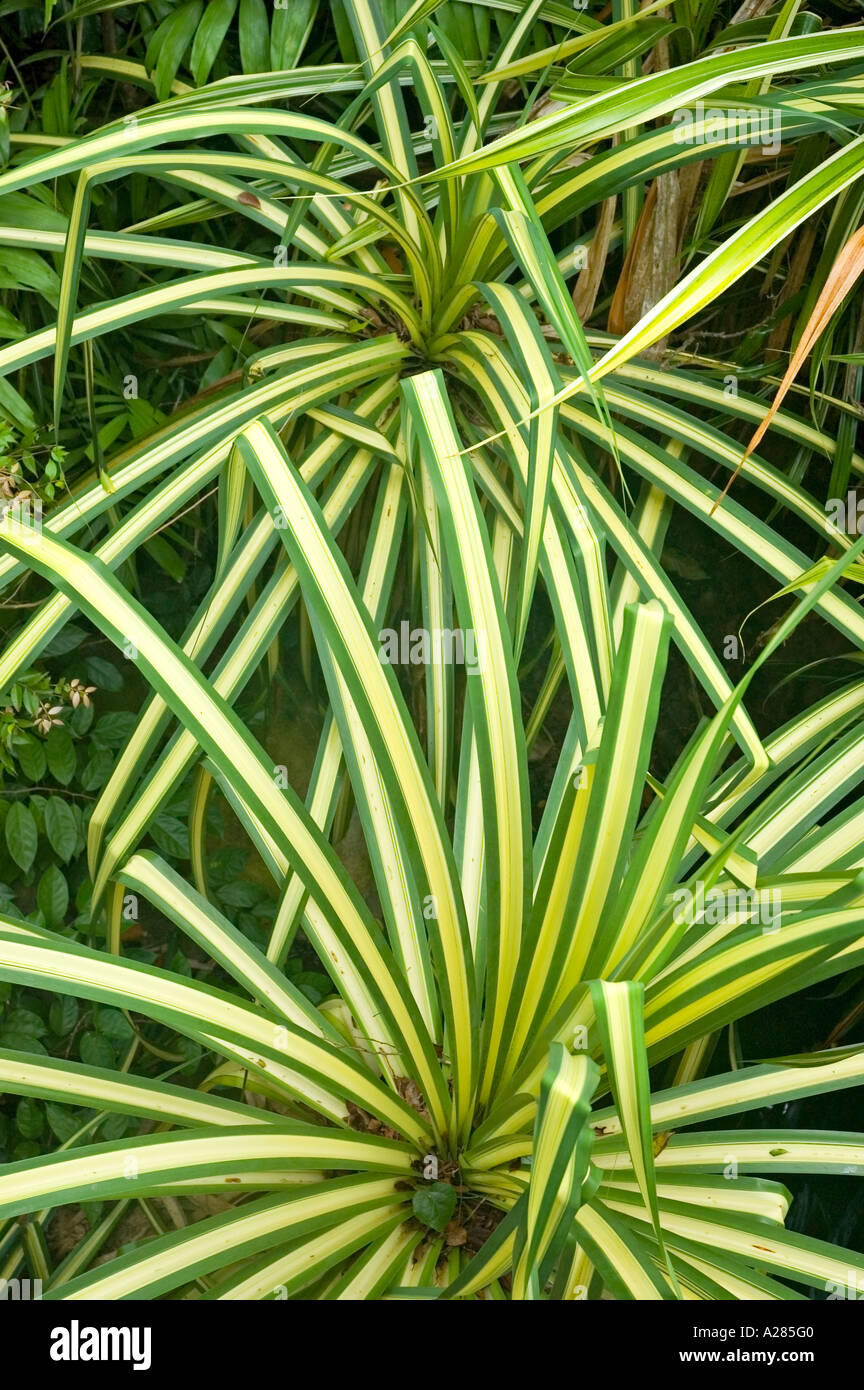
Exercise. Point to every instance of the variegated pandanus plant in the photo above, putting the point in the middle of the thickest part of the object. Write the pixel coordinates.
(471, 1113)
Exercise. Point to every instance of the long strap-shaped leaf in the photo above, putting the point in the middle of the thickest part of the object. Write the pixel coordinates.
(569, 931)
(736, 255)
(170, 1261)
(208, 622)
(785, 1253)
(76, 1083)
(370, 35)
(652, 96)
(526, 343)
(322, 1073)
(732, 259)
(493, 697)
(649, 576)
(318, 281)
(397, 888)
(253, 639)
(164, 126)
(529, 243)
(244, 764)
(722, 984)
(562, 1148)
(619, 1010)
(433, 103)
(748, 1089)
(213, 427)
(750, 535)
(143, 1166)
(620, 1255)
(309, 1260)
(716, 1275)
(801, 953)
(176, 168)
(348, 637)
(195, 916)
(324, 784)
(622, 764)
(493, 376)
(753, 1151)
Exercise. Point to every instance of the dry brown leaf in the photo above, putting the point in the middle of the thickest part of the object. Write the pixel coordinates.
(845, 271)
(587, 285)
